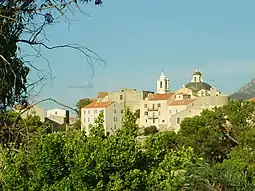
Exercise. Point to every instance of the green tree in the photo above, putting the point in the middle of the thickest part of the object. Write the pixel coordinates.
(215, 132)
(73, 161)
(23, 22)
(81, 103)
(158, 145)
(171, 170)
(23, 131)
(150, 130)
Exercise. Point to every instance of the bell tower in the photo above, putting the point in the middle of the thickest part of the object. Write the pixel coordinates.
(197, 76)
(162, 84)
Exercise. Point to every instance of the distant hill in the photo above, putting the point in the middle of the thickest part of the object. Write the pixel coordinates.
(246, 92)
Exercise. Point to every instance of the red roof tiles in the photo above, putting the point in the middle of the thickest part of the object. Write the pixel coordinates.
(155, 97)
(99, 104)
(93, 99)
(181, 102)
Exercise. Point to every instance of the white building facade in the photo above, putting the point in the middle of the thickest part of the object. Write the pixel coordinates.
(153, 110)
(180, 109)
(56, 113)
(113, 115)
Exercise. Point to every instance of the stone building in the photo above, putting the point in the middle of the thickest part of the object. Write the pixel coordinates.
(129, 98)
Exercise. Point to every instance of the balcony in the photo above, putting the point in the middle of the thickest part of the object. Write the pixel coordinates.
(153, 109)
(153, 117)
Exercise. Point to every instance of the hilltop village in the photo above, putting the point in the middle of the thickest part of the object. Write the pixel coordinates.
(163, 109)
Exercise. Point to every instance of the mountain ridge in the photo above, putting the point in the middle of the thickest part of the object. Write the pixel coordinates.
(246, 92)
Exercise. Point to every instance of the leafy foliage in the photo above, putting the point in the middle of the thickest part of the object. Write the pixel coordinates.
(22, 132)
(83, 102)
(166, 161)
(150, 130)
(215, 132)
(23, 21)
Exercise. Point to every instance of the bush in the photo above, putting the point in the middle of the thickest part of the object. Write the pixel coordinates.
(150, 130)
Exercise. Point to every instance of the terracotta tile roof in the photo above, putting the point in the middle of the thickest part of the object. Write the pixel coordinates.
(102, 94)
(181, 102)
(93, 99)
(155, 97)
(99, 104)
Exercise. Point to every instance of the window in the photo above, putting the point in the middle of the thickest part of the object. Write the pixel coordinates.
(163, 121)
(166, 84)
(159, 113)
(192, 104)
(121, 111)
(169, 111)
(84, 112)
(153, 121)
(56, 112)
(115, 126)
(88, 120)
(153, 106)
(121, 97)
(178, 120)
(195, 79)
(95, 111)
(145, 105)
(88, 111)
(176, 111)
(84, 120)
(122, 119)
(159, 105)
(102, 111)
(146, 120)
(161, 84)
(115, 111)
(115, 119)
(146, 113)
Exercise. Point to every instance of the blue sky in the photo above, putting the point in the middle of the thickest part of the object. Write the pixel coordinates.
(139, 38)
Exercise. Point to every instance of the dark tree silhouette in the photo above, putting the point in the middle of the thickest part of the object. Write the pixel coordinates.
(24, 21)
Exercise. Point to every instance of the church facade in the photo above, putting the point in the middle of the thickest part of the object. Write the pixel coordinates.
(165, 109)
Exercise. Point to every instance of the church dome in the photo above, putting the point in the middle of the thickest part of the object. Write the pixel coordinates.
(197, 73)
(197, 86)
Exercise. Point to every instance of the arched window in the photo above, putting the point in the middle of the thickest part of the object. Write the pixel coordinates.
(161, 84)
(166, 84)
